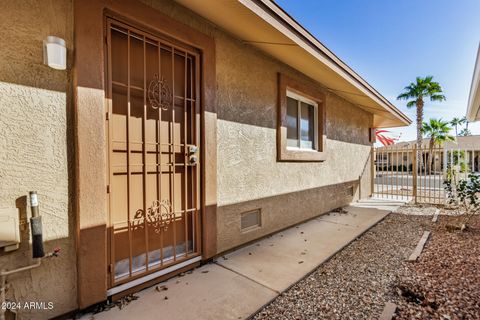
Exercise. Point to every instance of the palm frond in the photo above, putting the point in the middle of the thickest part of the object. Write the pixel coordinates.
(412, 103)
(422, 88)
(456, 121)
(437, 130)
(437, 97)
(428, 79)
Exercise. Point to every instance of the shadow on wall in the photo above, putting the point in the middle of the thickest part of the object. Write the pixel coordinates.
(37, 150)
(22, 205)
(281, 211)
(251, 97)
(23, 27)
(54, 281)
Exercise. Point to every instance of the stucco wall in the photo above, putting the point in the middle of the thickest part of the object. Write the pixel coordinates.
(250, 177)
(247, 170)
(247, 113)
(36, 150)
(34, 113)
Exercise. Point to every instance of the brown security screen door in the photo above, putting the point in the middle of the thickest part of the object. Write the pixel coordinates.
(154, 137)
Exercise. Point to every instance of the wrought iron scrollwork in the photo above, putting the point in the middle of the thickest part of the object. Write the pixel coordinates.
(159, 94)
(159, 216)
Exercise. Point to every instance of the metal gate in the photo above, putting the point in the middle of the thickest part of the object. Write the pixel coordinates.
(405, 172)
(153, 153)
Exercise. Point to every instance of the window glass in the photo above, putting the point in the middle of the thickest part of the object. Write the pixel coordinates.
(300, 130)
(307, 126)
(292, 122)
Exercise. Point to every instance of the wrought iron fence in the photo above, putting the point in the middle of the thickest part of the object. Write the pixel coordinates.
(410, 173)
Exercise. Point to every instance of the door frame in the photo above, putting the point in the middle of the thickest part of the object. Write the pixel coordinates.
(90, 129)
(135, 280)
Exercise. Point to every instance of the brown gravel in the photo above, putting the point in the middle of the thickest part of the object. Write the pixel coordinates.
(358, 281)
(445, 282)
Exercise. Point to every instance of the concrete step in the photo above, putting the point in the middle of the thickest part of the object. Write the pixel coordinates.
(400, 201)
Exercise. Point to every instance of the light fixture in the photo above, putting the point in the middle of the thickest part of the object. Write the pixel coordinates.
(55, 53)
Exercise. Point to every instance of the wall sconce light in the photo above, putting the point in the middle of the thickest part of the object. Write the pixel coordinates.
(55, 53)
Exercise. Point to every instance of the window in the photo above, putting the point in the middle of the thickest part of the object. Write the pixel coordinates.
(302, 122)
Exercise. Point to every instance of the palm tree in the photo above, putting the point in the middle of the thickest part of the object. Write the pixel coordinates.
(456, 122)
(438, 133)
(465, 132)
(415, 92)
(464, 120)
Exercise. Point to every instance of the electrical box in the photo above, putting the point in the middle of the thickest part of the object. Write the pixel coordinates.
(9, 229)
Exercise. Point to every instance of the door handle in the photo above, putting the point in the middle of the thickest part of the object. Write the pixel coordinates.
(192, 149)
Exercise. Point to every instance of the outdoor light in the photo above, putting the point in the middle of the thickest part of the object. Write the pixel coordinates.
(55, 53)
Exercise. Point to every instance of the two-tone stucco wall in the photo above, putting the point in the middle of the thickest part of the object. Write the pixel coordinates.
(36, 150)
(248, 174)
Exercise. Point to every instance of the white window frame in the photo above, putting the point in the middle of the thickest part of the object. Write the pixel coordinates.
(300, 98)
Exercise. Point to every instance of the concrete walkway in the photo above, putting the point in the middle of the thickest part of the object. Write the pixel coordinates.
(240, 283)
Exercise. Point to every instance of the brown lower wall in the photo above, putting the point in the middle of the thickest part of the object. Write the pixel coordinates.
(281, 211)
(70, 177)
(36, 152)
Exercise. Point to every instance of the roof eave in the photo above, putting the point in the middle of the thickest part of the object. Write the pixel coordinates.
(314, 42)
(474, 96)
(238, 17)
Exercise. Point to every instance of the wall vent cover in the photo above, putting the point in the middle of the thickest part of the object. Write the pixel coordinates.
(350, 191)
(251, 220)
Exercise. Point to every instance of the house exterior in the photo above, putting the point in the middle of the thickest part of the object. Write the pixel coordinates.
(401, 154)
(178, 131)
(473, 108)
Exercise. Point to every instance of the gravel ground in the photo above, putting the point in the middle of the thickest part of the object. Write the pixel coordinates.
(358, 281)
(445, 282)
(427, 210)
(416, 210)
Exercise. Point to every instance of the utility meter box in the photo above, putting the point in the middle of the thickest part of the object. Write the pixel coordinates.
(9, 229)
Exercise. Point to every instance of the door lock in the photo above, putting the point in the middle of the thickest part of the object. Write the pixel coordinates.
(193, 159)
(192, 154)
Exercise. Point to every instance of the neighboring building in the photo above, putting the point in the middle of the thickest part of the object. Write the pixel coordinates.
(401, 154)
(473, 108)
(179, 130)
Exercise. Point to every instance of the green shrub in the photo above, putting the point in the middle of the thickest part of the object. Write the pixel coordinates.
(463, 193)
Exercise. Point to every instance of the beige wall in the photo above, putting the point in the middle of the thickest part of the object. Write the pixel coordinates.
(249, 175)
(35, 108)
(36, 127)
(247, 113)
(247, 170)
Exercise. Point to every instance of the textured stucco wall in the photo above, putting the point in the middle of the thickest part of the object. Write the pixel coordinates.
(247, 113)
(36, 145)
(35, 104)
(248, 175)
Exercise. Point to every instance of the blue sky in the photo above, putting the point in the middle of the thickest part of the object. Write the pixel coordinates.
(389, 43)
